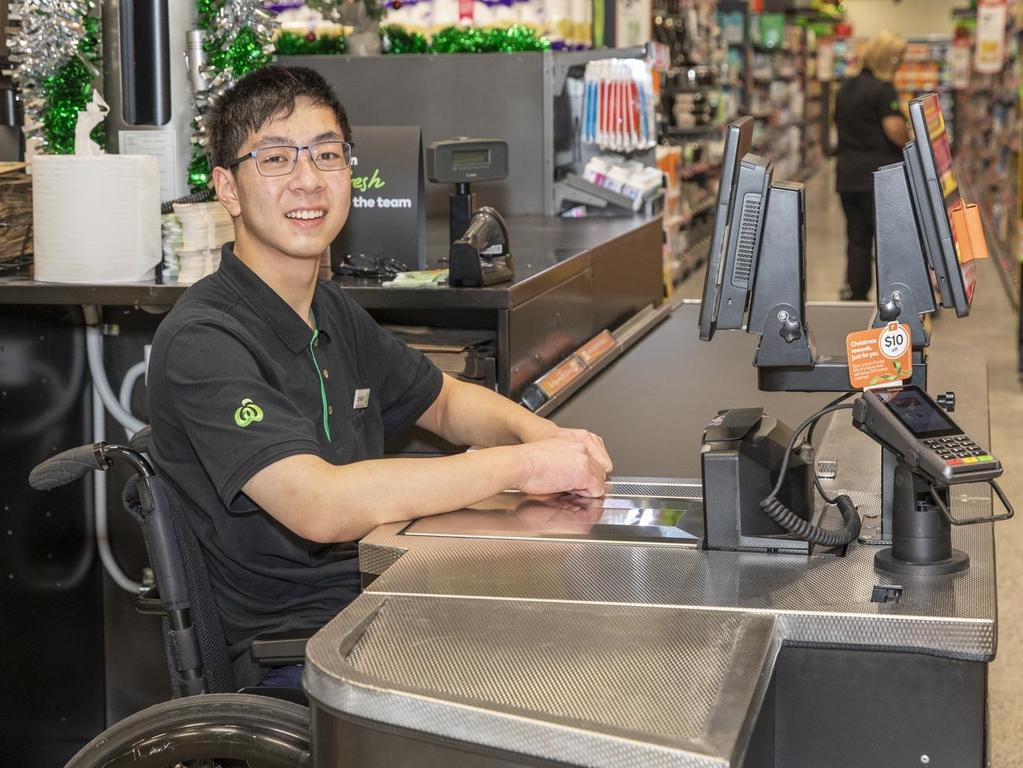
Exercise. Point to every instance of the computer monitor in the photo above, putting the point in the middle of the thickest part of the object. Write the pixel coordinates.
(940, 194)
(926, 224)
(738, 139)
(745, 227)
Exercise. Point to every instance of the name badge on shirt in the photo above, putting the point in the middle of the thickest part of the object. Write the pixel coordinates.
(361, 399)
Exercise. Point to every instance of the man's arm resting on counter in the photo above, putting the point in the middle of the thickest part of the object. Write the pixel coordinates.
(468, 414)
(325, 503)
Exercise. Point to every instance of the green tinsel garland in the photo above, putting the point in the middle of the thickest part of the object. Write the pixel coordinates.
(198, 169)
(514, 39)
(68, 92)
(206, 11)
(230, 53)
(243, 55)
(397, 39)
(290, 44)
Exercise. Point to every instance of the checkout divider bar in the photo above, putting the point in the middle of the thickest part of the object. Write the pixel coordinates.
(625, 336)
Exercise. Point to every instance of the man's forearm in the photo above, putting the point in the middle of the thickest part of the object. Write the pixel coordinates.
(471, 415)
(327, 503)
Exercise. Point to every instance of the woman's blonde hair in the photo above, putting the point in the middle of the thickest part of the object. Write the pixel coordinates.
(882, 54)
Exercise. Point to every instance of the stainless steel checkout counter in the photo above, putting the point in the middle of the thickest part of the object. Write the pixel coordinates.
(530, 632)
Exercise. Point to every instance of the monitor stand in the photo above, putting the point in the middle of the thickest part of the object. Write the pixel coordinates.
(786, 357)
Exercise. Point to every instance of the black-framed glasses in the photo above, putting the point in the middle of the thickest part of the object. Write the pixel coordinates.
(281, 160)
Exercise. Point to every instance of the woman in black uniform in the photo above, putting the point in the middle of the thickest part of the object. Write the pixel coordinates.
(871, 132)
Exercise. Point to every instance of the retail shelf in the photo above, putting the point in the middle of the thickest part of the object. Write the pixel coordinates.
(699, 169)
(705, 130)
(697, 251)
(771, 49)
(775, 77)
(685, 219)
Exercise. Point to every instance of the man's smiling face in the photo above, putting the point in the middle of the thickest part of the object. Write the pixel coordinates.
(296, 215)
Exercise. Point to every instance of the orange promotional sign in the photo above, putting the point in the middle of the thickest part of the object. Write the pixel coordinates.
(968, 232)
(879, 357)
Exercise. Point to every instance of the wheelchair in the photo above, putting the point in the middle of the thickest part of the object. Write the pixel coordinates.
(207, 724)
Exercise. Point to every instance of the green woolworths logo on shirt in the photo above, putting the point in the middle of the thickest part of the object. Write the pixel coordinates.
(248, 413)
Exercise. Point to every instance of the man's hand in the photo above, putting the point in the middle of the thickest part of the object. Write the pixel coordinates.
(561, 464)
(593, 443)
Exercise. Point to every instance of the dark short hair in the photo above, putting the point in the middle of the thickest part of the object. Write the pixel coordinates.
(261, 96)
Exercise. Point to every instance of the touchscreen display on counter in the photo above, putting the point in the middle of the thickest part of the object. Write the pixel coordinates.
(921, 416)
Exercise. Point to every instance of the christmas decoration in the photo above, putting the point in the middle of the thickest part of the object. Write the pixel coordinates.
(514, 39)
(395, 39)
(238, 35)
(55, 51)
(290, 44)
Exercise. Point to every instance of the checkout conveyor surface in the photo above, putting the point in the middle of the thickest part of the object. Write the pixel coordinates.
(549, 635)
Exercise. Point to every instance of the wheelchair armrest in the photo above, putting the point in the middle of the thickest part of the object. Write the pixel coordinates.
(279, 649)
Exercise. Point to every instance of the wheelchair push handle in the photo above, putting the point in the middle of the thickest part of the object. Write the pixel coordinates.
(67, 466)
(75, 463)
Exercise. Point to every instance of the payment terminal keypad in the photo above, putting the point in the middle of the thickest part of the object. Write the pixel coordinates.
(959, 450)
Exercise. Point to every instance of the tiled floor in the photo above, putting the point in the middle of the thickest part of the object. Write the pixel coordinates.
(992, 325)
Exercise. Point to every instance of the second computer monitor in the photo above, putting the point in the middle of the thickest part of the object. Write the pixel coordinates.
(745, 225)
(936, 194)
(738, 139)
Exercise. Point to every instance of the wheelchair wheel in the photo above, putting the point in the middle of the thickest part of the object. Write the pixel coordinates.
(215, 729)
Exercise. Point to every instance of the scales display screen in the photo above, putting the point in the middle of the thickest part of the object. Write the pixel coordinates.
(470, 158)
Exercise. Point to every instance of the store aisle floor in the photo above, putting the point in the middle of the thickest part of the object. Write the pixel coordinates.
(991, 326)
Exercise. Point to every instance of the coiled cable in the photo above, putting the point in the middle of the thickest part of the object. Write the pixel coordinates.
(793, 523)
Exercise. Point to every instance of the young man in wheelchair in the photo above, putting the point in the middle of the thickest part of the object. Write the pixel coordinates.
(271, 392)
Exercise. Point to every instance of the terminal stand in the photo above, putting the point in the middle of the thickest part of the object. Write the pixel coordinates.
(921, 537)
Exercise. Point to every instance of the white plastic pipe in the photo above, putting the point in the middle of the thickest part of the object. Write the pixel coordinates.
(99, 497)
(94, 349)
(128, 386)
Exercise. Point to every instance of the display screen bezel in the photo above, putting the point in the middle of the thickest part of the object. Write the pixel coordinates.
(928, 229)
(929, 128)
(889, 396)
(738, 141)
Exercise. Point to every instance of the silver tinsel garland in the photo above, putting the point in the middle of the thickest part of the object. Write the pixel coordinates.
(50, 33)
(231, 19)
(48, 38)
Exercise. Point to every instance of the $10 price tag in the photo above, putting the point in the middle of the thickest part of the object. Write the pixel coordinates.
(880, 357)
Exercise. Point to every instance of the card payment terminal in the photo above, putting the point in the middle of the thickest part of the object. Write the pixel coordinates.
(932, 453)
(920, 433)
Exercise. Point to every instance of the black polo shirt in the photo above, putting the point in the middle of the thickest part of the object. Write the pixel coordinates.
(237, 381)
(860, 106)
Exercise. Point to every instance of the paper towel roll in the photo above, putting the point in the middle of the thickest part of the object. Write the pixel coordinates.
(95, 219)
